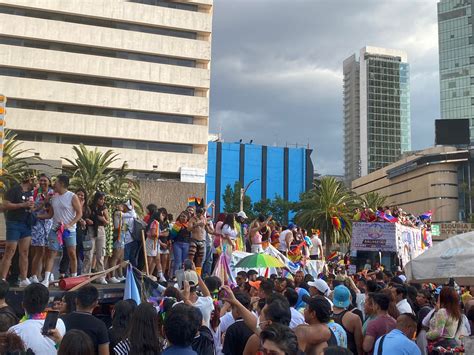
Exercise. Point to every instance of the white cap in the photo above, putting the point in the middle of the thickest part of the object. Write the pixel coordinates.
(242, 215)
(321, 285)
(403, 278)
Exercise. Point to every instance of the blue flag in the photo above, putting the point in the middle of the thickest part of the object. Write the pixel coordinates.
(131, 289)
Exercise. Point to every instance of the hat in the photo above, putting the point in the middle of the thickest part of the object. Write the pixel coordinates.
(192, 277)
(341, 296)
(242, 214)
(129, 205)
(255, 284)
(321, 285)
(403, 278)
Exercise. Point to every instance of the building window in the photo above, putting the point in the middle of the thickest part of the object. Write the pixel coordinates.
(83, 20)
(103, 52)
(98, 111)
(169, 4)
(104, 142)
(88, 80)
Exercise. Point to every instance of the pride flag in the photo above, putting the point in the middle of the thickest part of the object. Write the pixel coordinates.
(333, 257)
(195, 201)
(387, 217)
(426, 215)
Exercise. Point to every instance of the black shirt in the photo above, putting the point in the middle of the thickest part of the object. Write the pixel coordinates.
(17, 195)
(236, 338)
(90, 325)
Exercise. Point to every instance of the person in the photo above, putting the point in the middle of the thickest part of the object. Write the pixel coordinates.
(68, 303)
(10, 343)
(121, 316)
(204, 303)
(299, 278)
(209, 256)
(203, 342)
(76, 342)
(143, 333)
(131, 247)
(238, 333)
(165, 244)
(446, 322)
(252, 275)
(42, 227)
(286, 238)
(400, 294)
(150, 210)
(240, 225)
(229, 234)
(278, 339)
(18, 204)
(399, 340)
(351, 322)
(316, 335)
(66, 211)
(197, 247)
(152, 244)
(35, 301)
(381, 325)
(255, 233)
(180, 236)
(180, 328)
(296, 317)
(316, 250)
(7, 313)
(96, 235)
(82, 319)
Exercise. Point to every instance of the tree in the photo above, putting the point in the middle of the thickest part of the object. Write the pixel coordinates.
(373, 200)
(15, 160)
(279, 208)
(231, 197)
(329, 198)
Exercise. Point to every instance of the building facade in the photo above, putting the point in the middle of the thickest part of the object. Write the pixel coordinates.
(127, 75)
(376, 110)
(276, 171)
(456, 60)
(436, 179)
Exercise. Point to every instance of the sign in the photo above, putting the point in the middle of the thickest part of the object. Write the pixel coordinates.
(435, 230)
(447, 229)
(374, 237)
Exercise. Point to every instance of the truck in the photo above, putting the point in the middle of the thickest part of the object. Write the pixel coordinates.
(390, 244)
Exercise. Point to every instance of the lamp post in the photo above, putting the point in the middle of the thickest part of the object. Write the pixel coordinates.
(243, 191)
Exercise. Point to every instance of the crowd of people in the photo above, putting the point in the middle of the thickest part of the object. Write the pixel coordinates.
(372, 312)
(393, 215)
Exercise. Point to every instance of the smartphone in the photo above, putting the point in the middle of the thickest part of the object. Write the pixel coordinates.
(50, 322)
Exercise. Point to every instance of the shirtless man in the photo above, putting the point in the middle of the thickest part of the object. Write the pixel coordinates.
(198, 227)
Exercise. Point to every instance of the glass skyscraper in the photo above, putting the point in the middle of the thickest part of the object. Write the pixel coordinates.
(376, 110)
(456, 59)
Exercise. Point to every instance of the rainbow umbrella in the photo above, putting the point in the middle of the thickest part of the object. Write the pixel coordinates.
(256, 261)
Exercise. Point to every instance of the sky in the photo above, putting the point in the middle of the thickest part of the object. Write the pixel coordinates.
(276, 72)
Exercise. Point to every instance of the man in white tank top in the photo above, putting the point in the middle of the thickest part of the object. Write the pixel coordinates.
(66, 211)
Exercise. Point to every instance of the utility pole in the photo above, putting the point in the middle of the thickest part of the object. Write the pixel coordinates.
(243, 191)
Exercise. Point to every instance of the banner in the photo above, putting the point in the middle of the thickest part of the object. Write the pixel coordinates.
(374, 237)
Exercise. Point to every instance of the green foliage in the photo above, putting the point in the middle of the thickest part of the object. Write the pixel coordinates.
(279, 208)
(373, 200)
(231, 199)
(15, 161)
(328, 198)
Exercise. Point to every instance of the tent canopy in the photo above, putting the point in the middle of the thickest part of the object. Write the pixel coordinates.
(453, 257)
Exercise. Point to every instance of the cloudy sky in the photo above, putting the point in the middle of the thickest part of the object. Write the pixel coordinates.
(277, 68)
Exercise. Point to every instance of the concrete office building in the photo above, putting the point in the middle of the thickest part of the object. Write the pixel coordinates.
(436, 179)
(276, 171)
(376, 110)
(456, 60)
(127, 75)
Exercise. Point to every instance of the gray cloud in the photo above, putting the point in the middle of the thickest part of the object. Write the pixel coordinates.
(277, 68)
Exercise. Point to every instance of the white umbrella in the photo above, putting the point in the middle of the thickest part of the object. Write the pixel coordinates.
(453, 257)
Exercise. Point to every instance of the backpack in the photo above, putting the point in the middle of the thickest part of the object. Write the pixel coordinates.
(139, 226)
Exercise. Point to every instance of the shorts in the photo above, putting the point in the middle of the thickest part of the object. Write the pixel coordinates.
(152, 250)
(40, 232)
(17, 230)
(164, 251)
(53, 243)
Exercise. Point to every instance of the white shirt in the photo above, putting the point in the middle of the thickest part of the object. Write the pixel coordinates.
(226, 321)
(64, 211)
(127, 221)
(30, 332)
(296, 318)
(404, 307)
(316, 244)
(206, 306)
(227, 231)
(283, 246)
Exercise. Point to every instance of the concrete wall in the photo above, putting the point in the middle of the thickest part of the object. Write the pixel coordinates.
(173, 195)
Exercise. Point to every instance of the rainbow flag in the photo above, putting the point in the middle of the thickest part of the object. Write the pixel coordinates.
(175, 230)
(194, 201)
(387, 217)
(336, 222)
(333, 257)
(426, 215)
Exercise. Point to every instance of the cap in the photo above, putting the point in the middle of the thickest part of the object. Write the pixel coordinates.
(341, 296)
(129, 205)
(403, 278)
(255, 284)
(242, 214)
(191, 277)
(321, 285)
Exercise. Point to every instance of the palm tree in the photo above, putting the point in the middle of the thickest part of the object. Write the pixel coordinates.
(329, 198)
(91, 169)
(15, 160)
(373, 200)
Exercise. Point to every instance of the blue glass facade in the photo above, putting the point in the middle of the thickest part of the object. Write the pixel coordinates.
(285, 172)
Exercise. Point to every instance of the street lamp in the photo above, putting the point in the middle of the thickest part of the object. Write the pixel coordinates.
(243, 191)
